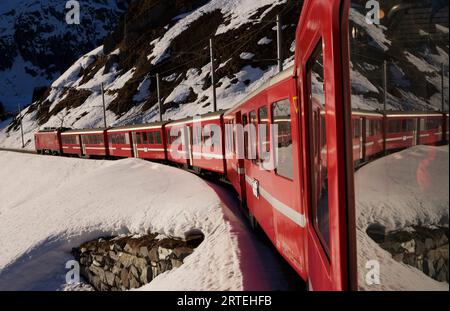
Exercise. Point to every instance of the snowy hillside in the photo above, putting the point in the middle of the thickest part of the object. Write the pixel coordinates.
(170, 39)
(37, 45)
(40, 224)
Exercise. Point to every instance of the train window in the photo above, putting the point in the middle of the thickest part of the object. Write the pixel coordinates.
(356, 128)
(197, 136)
(144, 138)
(253, 152)
(150, 138)
(264, 134)
(394, 126)
(158, 137)
(433, 123)
(409, 125)
(320, 209)
(138, 138)
(399, 67)
(246, 146)
(281, 117)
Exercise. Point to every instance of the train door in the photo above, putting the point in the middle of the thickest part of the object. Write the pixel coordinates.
(417, 131)
(421, 129)
(83, 144)
(238, 154)
(361, 138)
(317, 62)
(134, 143)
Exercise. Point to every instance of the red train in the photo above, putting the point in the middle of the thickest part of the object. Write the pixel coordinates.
(305, 204)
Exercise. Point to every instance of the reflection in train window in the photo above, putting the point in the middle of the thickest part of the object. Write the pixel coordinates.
(320, 208)
(264, 131)
(281, 115)
(399, 70)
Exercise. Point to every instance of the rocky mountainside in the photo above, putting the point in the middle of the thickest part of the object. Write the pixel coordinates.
(37, 45)
(170, 38)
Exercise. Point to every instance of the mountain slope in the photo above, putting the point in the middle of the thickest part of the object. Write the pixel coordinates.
(170, 38)
(37, 45)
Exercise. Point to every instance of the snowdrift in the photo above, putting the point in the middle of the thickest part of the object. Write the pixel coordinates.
(49, 205)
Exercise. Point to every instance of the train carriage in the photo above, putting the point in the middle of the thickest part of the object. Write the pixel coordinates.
(367, 134)
(207, 142)
(178, 142)
(71, 143)
(86, 142)
(48, 141)
(401, 130)
(431, 129)
(94, 143)
(120, 142)
(147, 140)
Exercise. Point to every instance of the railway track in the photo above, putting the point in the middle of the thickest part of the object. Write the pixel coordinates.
(18, 150)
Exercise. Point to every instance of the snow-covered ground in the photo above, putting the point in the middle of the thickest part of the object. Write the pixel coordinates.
(50, 204)
(406, 188)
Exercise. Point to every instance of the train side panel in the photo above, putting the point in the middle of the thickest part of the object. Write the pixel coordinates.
(48, 141)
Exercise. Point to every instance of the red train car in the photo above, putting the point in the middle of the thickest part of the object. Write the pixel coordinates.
(178, 142)
(367, 134)
(207, 143)
(119, 142)
(86, 143)
(71, 143)
(94, 142)
(48, 141)
(147, 140)
(401, 130)
(431, 129)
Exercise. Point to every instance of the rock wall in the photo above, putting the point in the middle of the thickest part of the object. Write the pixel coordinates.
(425, 248)
(126, 262)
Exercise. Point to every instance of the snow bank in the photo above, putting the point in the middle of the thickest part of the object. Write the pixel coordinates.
(50, 204)
(403, 189)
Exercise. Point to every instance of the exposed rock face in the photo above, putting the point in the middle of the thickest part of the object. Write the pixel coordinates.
(425, 248)
(121, 263)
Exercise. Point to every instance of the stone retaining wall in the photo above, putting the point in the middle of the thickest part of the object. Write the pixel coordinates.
(121, 263)
(425, 248)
